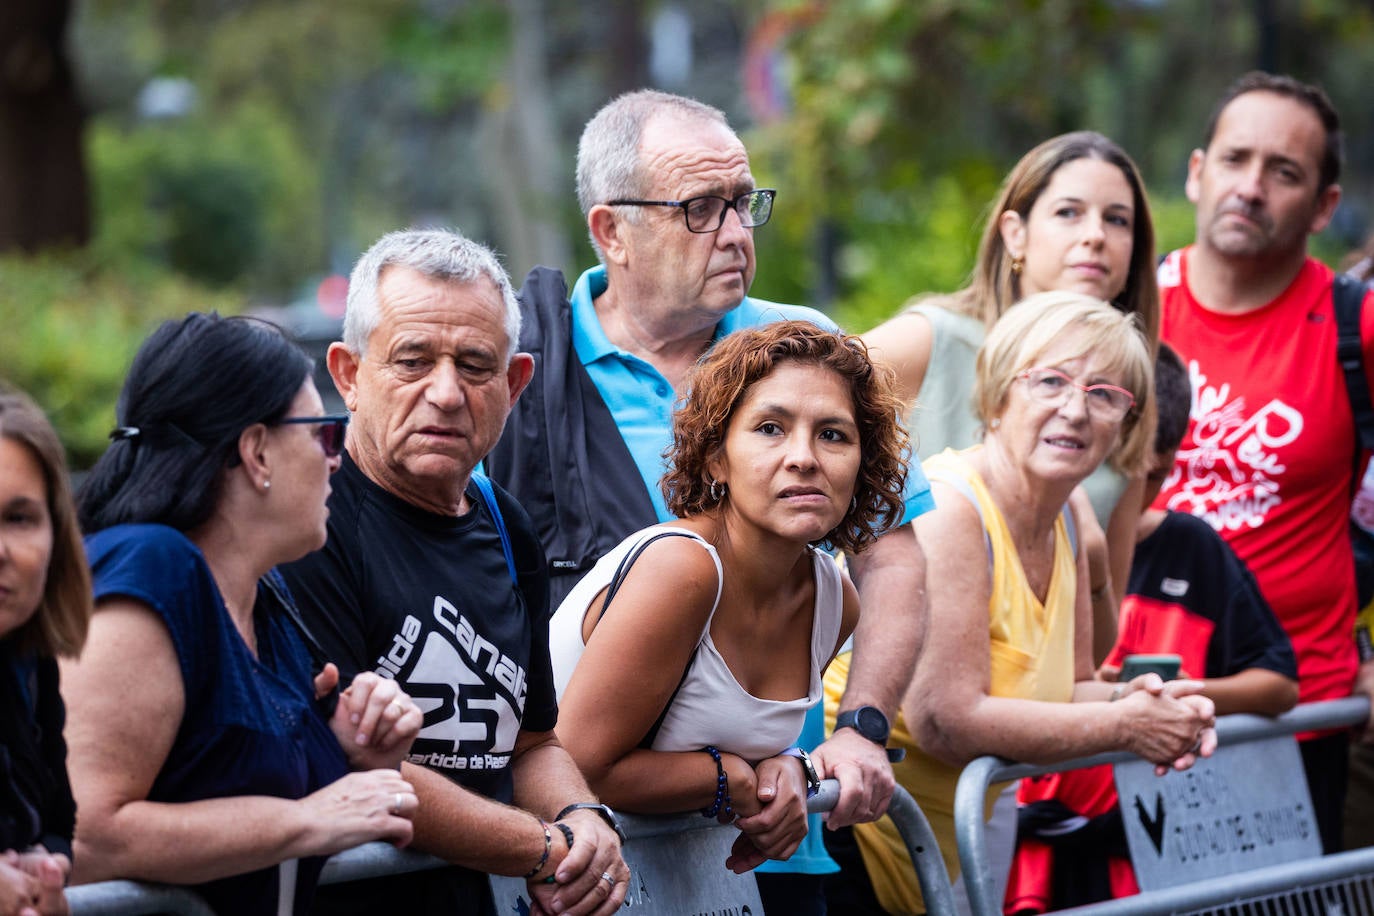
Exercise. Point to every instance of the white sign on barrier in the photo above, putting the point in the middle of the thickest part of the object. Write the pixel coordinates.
(678, 873)
(1246, 806)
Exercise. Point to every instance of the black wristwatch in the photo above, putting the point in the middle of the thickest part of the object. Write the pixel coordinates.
(868, 721)
(813, 779)
(605, 813)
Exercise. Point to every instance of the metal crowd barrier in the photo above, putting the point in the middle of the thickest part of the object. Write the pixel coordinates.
(1321, 885)
(129, 898)
(374, 860)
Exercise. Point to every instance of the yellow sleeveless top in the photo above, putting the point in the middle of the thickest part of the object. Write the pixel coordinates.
(1032, 658)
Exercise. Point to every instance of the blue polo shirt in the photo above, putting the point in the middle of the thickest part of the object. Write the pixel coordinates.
(641, 400)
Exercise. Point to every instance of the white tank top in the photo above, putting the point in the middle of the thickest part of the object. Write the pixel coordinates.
(711, 707)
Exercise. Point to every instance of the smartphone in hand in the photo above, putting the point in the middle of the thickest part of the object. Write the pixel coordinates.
(1166, 666)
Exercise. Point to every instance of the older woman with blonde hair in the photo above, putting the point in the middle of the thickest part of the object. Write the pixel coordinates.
(1062, 380)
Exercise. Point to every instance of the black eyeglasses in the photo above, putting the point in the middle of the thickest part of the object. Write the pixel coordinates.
(330, 433)
(707, 214)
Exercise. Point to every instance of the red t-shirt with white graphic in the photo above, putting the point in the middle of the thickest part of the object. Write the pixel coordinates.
(1267, 459)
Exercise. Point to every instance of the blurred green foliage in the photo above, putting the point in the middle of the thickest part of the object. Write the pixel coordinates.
(72, 324)
(285, 164)
(190, 217)
(229, 199)
(320, 124)
(903, 116)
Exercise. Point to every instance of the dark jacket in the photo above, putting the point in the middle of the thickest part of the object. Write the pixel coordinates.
(561, 454)
(36, 803)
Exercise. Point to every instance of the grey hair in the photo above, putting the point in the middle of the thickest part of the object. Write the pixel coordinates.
(608, 162)
(434, 253)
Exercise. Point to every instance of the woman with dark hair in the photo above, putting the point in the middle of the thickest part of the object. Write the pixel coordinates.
(203, 748)
(714, 641)
(45, 603)
(1071, 215)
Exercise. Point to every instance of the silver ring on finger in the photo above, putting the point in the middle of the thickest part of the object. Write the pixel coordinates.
(396, 805)
(606, 876)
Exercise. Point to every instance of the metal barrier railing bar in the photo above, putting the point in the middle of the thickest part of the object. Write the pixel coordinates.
(373, 860)
(131, 898)
(1231, 730)
(1242, 888)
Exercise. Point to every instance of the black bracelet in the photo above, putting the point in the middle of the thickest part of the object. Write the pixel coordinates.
(548, 845)
(722, 800)
(566, 831)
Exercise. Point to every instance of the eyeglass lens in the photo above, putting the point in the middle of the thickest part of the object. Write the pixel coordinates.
(1053, 387)
(329, 430)
(707, 214)
(332, 437)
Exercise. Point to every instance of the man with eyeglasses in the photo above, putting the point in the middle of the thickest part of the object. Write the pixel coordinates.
(671, 209)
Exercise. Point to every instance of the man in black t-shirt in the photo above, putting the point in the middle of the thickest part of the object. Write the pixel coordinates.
(433, 580)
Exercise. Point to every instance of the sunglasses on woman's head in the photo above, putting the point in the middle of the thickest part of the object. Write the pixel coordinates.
(330, 432)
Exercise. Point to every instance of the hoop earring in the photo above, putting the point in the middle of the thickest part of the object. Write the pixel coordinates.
(1018, 264)
(717, 491)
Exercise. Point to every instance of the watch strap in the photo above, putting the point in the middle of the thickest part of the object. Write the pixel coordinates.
(813, 778)
(605, 813)
(851, 719)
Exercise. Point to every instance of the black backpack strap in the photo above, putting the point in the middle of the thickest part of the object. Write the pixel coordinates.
(1347, 296)
(617, 580)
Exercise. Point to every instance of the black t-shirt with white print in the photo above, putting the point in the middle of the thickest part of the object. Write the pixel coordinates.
(428, 600)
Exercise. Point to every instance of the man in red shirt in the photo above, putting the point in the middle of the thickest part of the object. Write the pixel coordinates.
(1268, 456)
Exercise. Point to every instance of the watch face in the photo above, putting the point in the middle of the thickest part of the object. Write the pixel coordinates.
(872, 724)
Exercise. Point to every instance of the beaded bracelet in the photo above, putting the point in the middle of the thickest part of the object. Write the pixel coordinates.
(567, 835)
(548, 845)
(722, 800)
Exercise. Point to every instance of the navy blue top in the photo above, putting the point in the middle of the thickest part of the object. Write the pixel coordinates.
(251, 725)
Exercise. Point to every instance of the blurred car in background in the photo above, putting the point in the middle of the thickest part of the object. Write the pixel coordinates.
(314, 320)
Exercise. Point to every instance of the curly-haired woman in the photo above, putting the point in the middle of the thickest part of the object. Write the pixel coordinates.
(714, 645)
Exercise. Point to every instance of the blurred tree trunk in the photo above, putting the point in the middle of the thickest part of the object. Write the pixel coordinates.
(44, 196)
(528, 176)
(628, 46)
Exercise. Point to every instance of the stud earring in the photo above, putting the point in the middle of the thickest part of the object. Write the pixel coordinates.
(267, 484)
(994, 423)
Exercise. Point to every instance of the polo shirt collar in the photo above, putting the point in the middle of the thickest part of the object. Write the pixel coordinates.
(590, 340)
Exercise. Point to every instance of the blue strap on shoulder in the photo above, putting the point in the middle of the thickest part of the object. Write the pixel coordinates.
(489, 497)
